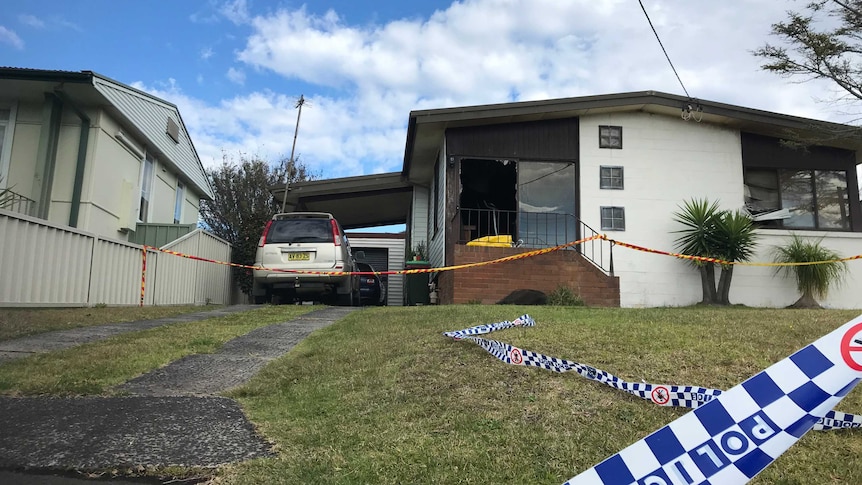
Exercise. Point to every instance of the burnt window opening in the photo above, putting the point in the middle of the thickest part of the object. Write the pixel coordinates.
(525, 203)
(488, 200)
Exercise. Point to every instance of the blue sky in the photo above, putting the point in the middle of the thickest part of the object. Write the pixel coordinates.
(236, 67)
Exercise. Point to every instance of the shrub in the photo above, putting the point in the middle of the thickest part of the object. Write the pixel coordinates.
(564, 296)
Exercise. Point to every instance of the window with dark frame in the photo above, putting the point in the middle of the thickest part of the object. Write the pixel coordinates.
(613, 219)
(610, 136)
(611, 178)
(798, 199)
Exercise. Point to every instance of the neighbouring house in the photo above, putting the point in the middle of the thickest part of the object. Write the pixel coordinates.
(87, 162)
(497, 180)
(80, 149)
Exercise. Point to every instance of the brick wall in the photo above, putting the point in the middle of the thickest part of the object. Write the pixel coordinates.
(545, 273)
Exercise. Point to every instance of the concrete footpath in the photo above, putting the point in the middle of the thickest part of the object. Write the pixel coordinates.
(171, 416)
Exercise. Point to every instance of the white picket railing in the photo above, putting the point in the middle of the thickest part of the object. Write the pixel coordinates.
(43, 264)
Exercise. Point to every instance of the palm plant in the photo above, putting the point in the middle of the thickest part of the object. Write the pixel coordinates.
(713, 233)
(735, 239)
(812, 280)
(697, 239)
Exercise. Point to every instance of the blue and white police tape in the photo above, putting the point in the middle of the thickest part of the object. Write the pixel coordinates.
(735, 435)
(661, 394)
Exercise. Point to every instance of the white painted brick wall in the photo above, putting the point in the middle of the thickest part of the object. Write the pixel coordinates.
(666, 161)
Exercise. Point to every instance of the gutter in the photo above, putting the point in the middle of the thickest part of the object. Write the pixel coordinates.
(83, 141)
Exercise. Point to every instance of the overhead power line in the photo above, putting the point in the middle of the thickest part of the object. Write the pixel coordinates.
(692, 110)
(663, 49)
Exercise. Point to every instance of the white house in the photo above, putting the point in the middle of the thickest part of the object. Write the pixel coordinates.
(543, 173)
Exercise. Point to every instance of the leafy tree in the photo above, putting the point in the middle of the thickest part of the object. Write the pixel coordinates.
(713, 233)
(242, 203)
(812, 280)
(825, 42)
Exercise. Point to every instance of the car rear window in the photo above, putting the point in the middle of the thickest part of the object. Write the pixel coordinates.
(299, 230)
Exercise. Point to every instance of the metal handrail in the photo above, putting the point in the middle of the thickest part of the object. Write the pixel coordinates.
(15, 202)
(536, 230)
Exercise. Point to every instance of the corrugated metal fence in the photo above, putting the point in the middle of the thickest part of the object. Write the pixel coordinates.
(44, 264)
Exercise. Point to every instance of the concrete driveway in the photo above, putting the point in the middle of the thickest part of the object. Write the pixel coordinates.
(171, 416)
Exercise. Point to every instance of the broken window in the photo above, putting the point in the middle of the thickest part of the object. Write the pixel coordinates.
(532, 202)
(488, 198)
(798, 199)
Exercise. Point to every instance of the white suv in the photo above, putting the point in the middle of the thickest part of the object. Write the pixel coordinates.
(304, 241)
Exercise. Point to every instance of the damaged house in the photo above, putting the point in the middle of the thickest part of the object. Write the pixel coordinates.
(484, 182)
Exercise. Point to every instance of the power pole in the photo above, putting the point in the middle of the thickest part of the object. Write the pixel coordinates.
(299, 103)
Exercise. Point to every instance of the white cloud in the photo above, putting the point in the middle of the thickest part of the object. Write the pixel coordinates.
(206, 53)
(236, 76)
(31, 21)
(477, 52)
(10, 37)
(66, 24)
(236, 11)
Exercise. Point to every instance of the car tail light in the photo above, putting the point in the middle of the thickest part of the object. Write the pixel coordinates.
(263, 236)
(335, 236)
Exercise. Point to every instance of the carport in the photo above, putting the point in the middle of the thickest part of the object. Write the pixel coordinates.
(362, 202)
(357, 202)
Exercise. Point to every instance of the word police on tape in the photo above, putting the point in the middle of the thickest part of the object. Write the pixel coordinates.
(730, 436)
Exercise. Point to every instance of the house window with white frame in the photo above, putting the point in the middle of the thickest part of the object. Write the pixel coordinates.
(178, 205)
(610, 136)
(611, 178)
(147, 171)
(613, 219)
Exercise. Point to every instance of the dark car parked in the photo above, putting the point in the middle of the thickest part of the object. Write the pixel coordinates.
(372, 288)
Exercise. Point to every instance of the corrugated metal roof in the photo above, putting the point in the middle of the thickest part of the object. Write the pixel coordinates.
(150, 115)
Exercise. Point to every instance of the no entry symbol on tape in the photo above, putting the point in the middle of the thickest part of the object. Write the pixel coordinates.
(851, 347)
(515, 356)
(660, 395)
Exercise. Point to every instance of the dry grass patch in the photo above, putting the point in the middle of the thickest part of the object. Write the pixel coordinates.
(20, 322)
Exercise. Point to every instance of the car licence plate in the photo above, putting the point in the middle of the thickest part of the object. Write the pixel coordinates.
(298, 257)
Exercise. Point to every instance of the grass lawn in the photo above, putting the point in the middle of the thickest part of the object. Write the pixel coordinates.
(19, 322)
(95, 367)
(382, 397)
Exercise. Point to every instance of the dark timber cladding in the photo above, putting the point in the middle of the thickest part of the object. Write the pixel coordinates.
(536, 140)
